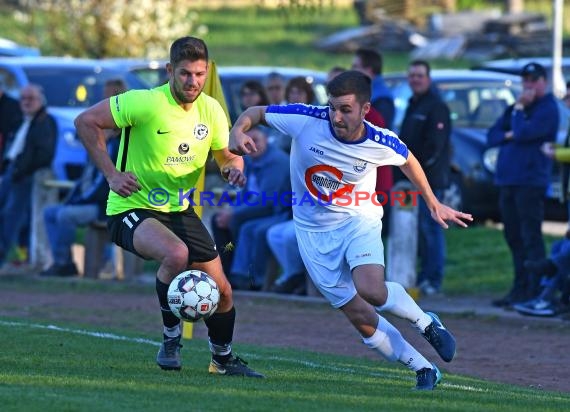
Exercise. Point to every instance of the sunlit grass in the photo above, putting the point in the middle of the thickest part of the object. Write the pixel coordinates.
(62, 370)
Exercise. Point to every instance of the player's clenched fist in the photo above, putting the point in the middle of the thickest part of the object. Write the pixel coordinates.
(124, 183)
(241, 143)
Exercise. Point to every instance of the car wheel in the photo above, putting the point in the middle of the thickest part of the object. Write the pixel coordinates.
(453, 195)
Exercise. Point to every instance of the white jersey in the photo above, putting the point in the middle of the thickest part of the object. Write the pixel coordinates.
(331, 179)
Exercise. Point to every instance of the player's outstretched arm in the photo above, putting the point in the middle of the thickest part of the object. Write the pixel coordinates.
(240, 143)
(439, 212)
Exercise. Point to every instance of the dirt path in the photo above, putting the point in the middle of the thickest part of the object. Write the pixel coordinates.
(521, 351)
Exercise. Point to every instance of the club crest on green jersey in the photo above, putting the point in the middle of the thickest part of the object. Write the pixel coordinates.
(200, 131)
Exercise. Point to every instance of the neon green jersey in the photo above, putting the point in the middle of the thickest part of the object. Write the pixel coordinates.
(164, 146)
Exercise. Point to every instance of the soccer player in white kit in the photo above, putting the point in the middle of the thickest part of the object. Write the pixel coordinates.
(334, 155)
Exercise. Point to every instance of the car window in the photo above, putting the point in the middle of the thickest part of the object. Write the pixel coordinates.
(75, 88)
(71, 87)
(471, 103)
(151, 77)
(480, 103)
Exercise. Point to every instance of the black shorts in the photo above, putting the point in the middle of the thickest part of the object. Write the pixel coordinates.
(186, 225)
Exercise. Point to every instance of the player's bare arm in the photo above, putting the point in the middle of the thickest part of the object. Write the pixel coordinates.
(439, 212)
(241, 143)
(231, 167)
(91, 126)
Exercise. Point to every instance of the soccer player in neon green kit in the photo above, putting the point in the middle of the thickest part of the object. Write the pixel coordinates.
(167, 134)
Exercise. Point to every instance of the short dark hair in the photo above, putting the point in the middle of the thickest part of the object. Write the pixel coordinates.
(351, 82)
(188, 48)
(370, 58)
(420, 62)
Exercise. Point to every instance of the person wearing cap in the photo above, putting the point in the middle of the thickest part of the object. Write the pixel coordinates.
(522, 175)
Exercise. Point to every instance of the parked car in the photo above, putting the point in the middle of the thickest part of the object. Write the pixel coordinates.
(71, 85)
(514, 66)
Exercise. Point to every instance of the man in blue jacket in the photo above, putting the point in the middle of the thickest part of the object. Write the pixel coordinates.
(522, 175)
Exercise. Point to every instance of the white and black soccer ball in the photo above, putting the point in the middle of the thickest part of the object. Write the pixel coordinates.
(193, 295)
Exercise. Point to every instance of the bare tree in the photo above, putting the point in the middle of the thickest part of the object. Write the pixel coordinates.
(106, 28)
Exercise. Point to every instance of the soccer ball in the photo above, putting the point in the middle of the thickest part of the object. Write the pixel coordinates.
(193, 295)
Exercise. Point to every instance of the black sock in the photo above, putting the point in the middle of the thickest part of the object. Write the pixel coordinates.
(221, 332)
(169, 319)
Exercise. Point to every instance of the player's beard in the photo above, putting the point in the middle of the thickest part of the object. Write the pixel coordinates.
(182, 97)
(346, 133)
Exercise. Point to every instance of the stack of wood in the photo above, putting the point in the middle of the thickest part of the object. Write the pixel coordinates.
(472, 35)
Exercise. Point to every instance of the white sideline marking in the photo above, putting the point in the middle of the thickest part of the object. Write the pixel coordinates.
(310, 364)
(102, 335)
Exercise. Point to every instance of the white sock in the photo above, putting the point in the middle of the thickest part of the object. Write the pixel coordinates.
(401, 304)
(390, 343)
(172, 332)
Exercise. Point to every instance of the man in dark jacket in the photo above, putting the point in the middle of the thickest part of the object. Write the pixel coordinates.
(31, 149)
(426, 130)
(522, 175)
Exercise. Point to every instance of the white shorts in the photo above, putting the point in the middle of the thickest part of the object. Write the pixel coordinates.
(330, 256)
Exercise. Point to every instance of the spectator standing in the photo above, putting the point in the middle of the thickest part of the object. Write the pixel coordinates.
(522, 175)
(261, 205)
(553, 271)
(85, 204)
(426, 130)
(31, 149)
(275, 88)
(370, 63)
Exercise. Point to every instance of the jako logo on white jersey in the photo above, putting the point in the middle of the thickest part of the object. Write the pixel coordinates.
(317, 151)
